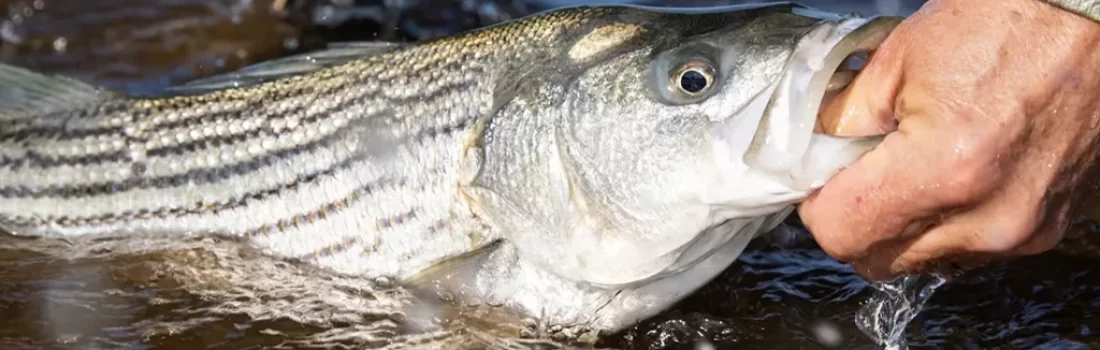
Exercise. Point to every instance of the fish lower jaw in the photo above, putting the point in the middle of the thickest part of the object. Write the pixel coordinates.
(790, 144)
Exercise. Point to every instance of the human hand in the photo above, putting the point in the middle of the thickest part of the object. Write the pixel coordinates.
(994, 108)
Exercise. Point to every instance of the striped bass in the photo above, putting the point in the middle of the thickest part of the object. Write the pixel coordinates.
(586, 167)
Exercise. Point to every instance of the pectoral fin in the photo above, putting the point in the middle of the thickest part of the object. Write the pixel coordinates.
(453, 275)
(448, 293)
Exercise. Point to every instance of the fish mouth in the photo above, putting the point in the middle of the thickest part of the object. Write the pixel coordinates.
(826, 60)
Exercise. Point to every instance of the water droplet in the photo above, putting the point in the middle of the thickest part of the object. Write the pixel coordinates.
(67, 338)
(8, 33)
(446, 296)
(291, 44)
(60, 44)
(383, 282)
(827, 333)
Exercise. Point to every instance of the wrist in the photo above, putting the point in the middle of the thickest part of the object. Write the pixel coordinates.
(1056, 12)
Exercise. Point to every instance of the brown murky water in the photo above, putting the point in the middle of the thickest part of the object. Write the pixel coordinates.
(171, 293)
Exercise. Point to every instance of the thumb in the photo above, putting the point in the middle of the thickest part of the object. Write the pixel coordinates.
(861, 205)
(865, 107)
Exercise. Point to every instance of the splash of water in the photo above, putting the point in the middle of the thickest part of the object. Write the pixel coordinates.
(886, 315)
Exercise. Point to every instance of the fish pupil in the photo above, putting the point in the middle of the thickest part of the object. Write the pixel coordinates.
(693, 81)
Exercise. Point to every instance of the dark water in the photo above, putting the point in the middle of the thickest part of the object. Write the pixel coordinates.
(784, 293)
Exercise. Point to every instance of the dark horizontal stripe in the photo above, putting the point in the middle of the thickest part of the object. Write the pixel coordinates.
(196, 176)
(348, 242)
(44, 162)
(37, 160)
(226, 140)
(320, 213)
(198, 208)
(347, 86)
(126, 108)
(62, 133)
(207, 175)
(195, 146)
(250, 109)
(332, 249)
(58, 134)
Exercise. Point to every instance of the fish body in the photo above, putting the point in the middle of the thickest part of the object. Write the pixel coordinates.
(584, 166)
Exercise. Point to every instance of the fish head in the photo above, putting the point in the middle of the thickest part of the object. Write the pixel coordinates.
(707, 118)
(641, 161)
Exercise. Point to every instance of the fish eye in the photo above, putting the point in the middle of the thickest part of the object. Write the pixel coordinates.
(693, 81)
(693, 78)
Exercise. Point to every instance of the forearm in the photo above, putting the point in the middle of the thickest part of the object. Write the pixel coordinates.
(1087, 8)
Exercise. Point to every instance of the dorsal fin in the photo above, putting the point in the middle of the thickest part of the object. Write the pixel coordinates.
(333, 54)
(24, 93)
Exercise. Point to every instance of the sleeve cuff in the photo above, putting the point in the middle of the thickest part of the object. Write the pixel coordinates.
(1088, 8)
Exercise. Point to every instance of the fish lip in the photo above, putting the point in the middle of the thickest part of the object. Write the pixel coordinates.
(784, 131)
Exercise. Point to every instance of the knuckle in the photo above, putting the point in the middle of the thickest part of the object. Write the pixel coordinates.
(1048, 233)
(838, 251)
(830, 239)
(834, 236)
(966, 183)
(1043, 241)
(971, 173)
(1012, 229)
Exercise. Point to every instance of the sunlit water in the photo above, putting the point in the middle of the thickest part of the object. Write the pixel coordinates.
(205, 292)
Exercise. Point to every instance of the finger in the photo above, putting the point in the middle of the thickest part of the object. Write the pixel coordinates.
(1077, 201)
(865, 107)
(915, 254)
(880, 195)
(933, 163)
(858, 110)
(995, 230)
